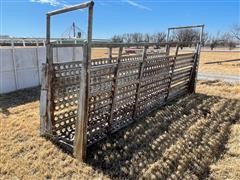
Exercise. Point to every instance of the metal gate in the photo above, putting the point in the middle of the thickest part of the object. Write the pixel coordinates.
(84, 101)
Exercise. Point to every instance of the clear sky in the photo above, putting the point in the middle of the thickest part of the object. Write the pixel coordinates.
(27, 17)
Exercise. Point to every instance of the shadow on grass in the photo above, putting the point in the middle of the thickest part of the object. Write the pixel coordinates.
(131, 152)
(17, 98)
(136, 149)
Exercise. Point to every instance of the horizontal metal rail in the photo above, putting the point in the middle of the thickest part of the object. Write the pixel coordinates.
(70, 8)
(116, 45)
(187, 27)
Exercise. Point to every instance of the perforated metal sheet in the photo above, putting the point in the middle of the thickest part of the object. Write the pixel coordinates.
(65, 94)
(120, 91)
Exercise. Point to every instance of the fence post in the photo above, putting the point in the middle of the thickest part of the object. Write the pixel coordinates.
(14, 66)
(139, 83)
(39, 74)
(110, 53)
(192, 81)
(46, 89)
(44, 101)
(80, 140)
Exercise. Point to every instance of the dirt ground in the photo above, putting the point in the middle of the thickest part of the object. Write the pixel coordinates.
(186, 139)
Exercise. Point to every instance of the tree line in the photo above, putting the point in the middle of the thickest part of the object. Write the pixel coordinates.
(227, 39)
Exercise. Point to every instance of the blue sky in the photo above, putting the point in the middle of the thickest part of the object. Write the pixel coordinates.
(27, 17)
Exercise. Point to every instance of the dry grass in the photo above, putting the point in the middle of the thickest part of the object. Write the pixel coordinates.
(228, 167)
(228, 68)
(26, 155)
(180, 140)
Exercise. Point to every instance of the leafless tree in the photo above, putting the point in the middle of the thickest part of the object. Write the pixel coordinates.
(185, 35)
(137, 37)
(205, 38)
(127, 37)
(158, 37)
(117, 38)
(147, 37)
(236, 31)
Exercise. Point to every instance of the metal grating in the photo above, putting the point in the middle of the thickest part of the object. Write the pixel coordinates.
(121, 90)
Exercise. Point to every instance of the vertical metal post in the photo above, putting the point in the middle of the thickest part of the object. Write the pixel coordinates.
(194, 72)
(45, 98)
(37, 59)
(115, 88)
(172, 72)
(168, 44)
(139, 83)
(48, 34)
(14, 66)
(110, 52)
(80, 140)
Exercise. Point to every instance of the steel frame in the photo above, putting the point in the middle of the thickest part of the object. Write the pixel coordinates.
(108, 94)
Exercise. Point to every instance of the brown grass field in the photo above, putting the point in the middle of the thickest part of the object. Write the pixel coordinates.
(187, 139)
(196, 137)
(228, 68)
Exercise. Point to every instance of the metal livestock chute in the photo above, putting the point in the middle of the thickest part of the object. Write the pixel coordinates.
(86, 100)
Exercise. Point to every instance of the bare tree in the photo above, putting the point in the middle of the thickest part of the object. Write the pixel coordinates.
(127, 37)
(214, 40)
(147, 37)
(236, 31)
(117, 38)
(137, 37)
(228, 40)
(158, 37)
(185, 35)
(205, 38)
